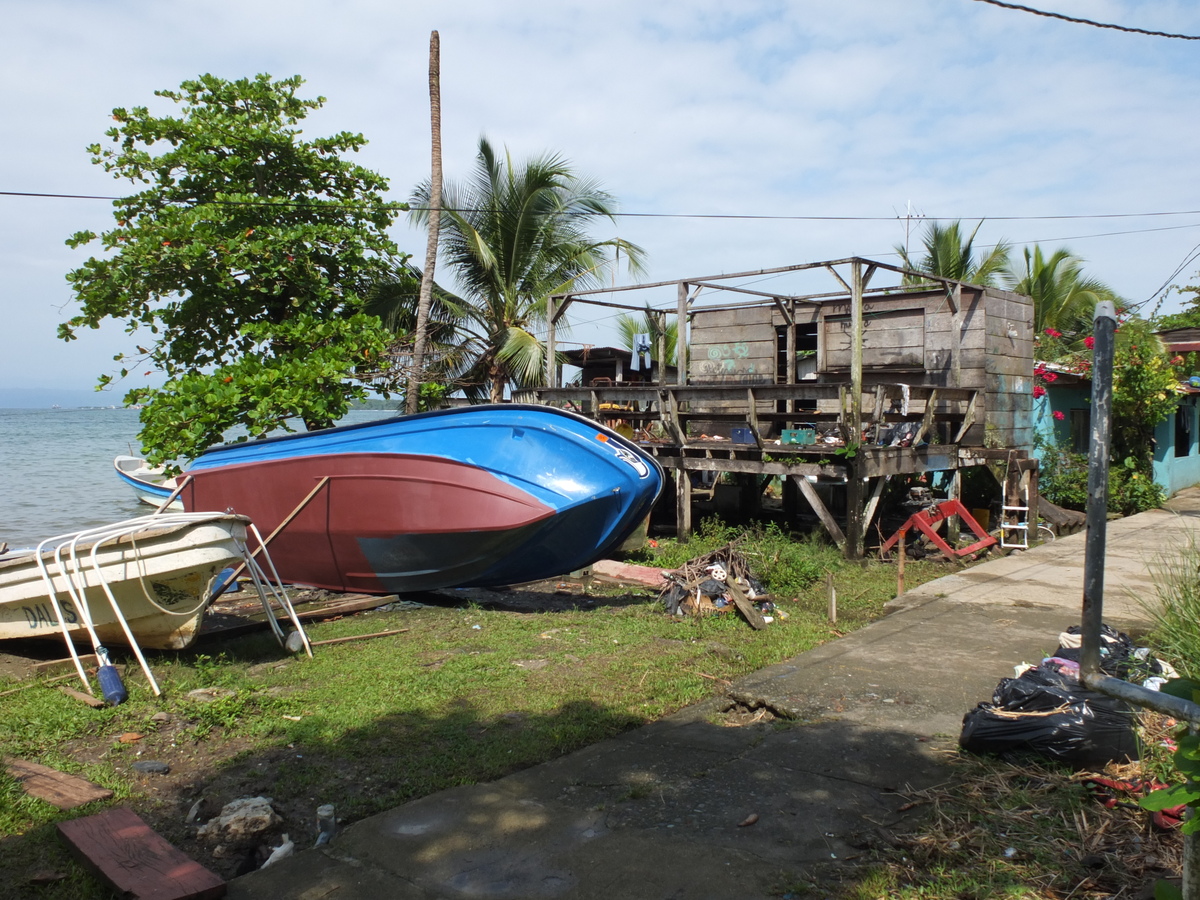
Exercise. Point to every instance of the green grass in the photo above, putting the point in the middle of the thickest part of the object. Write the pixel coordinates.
(464, 695)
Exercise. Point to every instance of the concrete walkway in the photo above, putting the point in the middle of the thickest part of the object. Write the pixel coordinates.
(665, 811)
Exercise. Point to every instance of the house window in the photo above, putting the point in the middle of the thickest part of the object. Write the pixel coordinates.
(1185, 425)
(1081, 430)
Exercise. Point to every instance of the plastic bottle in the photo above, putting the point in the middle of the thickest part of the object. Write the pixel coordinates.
(110, 680)
(326, 824)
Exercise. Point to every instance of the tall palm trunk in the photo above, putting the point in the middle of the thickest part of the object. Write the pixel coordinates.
(435, 216)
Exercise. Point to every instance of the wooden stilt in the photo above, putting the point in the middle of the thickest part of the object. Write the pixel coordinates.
(683, 505)
(821, 510)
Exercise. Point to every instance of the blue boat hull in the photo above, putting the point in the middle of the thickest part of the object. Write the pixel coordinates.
(480, 496)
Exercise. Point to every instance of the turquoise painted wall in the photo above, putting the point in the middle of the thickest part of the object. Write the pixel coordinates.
(1061, 399)
(1173, 472)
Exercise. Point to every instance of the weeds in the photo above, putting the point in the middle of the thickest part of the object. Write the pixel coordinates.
(1175, 610)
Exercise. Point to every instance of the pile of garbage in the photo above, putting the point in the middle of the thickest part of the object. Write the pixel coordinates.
(1047, 711)
(716, 583)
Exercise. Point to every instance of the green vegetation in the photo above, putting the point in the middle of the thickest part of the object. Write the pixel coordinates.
(242, 259)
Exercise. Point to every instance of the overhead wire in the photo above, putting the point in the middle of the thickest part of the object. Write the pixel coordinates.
(1078, 21)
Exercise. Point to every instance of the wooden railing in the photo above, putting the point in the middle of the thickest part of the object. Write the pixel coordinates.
(675, 407)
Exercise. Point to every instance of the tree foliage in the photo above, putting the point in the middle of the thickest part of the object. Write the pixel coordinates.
(1064, 299)
(950, 254)
(244, 253)
(513, 234)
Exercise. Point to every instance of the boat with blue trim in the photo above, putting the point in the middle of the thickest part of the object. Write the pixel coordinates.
(476, 496)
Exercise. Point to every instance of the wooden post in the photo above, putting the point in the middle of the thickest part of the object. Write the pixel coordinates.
(831, 591)
(660, 323)
(952, 522)
(551, 369)
(900, 565)
(683, 505)
(827, 519)
(856, 350)
(854, 509)
(681, 311)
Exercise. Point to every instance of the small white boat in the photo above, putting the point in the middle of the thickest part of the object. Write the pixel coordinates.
(142, 582)
(147, 482)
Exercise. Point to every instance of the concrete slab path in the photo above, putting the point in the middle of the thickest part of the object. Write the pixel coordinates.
(686, 808)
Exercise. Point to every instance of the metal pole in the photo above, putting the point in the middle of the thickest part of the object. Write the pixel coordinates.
(1097, 500)
(1093, 571)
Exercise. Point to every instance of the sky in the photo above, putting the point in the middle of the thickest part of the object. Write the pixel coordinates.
(739, 136)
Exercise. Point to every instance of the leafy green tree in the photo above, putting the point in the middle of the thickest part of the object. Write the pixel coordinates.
(949, 254)
(1189, 315)
(244, 253)
(1064, 300)
(514, 234)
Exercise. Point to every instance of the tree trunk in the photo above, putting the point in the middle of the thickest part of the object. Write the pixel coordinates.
(417, 375)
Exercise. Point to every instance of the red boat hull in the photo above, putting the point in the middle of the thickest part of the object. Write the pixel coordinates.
(382, 522)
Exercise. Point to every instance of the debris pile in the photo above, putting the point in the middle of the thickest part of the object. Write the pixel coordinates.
(1045, 709)
(718, 582)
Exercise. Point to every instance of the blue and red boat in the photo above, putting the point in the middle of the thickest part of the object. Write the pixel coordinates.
(477, 496)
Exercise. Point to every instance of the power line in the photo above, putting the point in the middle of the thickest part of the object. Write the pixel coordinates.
(1054, 15)
(649, 215)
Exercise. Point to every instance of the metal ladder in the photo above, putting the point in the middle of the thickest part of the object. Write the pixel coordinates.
(1014, 535)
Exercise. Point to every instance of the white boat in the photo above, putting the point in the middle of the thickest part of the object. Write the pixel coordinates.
(147, 482)
(142, 582)
(154, 573)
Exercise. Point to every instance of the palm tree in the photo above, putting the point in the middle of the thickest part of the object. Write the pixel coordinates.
(949, 255)
(451, 347)
(514, 235)
(1063, 299)
(655, 325)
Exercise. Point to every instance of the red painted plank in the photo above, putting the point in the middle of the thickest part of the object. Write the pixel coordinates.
(134, 860)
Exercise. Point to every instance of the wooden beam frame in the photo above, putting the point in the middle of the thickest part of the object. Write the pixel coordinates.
(826, 518)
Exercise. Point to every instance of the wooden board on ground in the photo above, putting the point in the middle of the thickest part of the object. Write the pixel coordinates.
(56, 788)
(60, 666)
(228, 618)
(129, 856)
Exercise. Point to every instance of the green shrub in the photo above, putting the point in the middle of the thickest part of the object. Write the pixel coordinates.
(1175, 610)
(1062, 478)
(784, 563)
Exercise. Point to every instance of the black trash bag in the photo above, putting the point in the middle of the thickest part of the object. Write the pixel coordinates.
(710, 587)
(1052, 715)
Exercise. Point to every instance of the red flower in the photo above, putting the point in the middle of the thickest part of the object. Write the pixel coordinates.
(1177, 360)
(1039, 391)
(1058, 414)
(1089, 342)
(1053, 333)
(1039, 371)
(1049, 377)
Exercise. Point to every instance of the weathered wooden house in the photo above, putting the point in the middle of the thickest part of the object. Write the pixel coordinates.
(889, 374)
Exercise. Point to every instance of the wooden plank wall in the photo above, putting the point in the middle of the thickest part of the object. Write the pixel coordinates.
(1009, 371)
(733, 346)
(908, 337)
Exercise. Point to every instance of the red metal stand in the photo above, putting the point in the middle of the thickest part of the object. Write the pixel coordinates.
(927, 520)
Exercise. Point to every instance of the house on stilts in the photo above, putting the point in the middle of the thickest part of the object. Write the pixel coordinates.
(884, 373)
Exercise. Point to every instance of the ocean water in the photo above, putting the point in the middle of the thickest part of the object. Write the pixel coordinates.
(56, 471)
